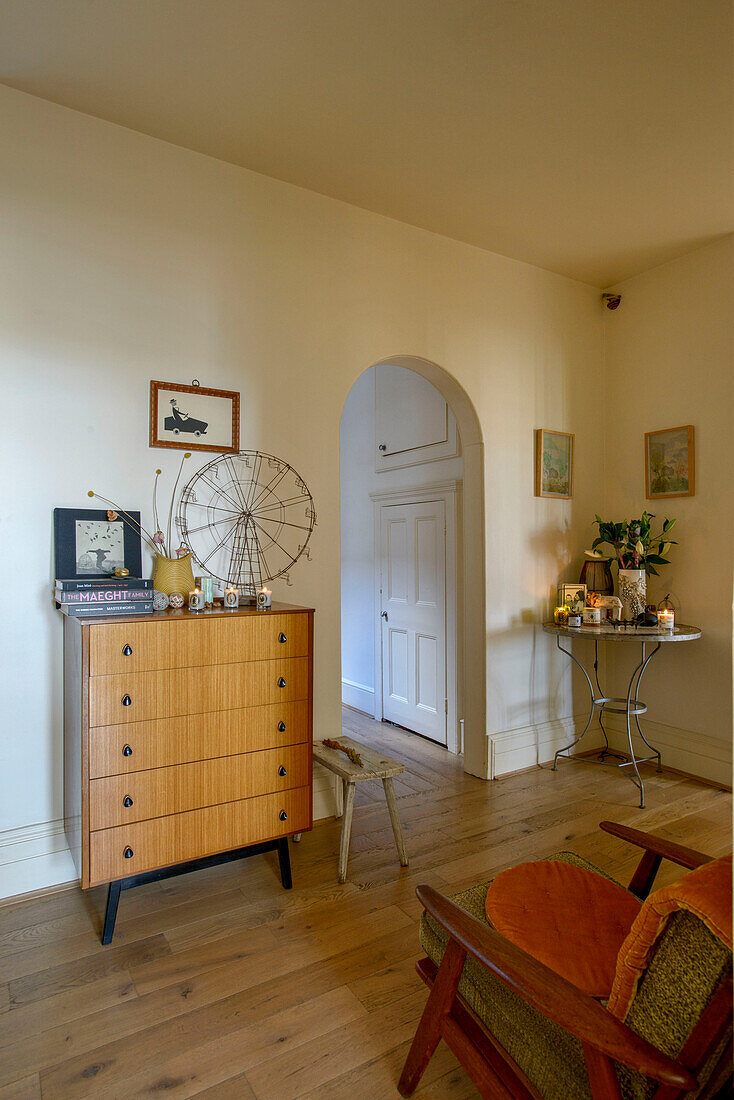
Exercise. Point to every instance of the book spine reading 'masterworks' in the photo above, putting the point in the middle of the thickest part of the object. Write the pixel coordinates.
(138, 607)
(120, 584)
(93, 596)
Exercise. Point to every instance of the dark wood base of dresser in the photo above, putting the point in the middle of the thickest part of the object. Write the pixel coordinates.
(115, 888)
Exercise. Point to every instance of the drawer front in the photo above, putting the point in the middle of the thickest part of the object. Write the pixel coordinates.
(138, 696)
(120, 799)
(160, 742)
(181, 837)
(184, 643)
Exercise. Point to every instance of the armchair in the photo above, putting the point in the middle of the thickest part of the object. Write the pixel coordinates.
(525, 1032)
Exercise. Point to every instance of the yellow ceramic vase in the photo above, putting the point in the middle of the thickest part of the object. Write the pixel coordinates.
(173, 574)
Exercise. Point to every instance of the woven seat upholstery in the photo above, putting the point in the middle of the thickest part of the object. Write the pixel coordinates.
(688, 965)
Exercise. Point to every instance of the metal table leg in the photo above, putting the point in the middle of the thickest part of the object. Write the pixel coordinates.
(563, 752)
(630, 706)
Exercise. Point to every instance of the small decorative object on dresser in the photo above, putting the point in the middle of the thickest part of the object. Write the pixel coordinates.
(670, 463)
(176, 600)
(160, 601)
(553, 464)
(195, 417)
(171, 765)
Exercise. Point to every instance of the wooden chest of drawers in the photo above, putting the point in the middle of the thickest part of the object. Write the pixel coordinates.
(186, 735)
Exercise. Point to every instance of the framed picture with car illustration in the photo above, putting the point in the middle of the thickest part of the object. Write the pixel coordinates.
(670, 469)
(553, 464)
(192, 418)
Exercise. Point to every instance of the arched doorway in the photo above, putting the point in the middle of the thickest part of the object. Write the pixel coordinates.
(470, 647)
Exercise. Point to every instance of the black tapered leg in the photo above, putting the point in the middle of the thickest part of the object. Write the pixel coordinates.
(113, 897)
(284, 858)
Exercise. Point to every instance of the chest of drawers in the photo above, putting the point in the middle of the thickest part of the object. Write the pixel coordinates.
(185, 736)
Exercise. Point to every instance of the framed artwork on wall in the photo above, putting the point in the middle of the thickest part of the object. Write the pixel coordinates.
(192, 418)
(670, 463)
(553, 464)
(89, 542)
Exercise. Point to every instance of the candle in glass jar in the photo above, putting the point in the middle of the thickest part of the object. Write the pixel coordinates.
(264, 599)
(196, 600)
(666, 618)
(231, 598)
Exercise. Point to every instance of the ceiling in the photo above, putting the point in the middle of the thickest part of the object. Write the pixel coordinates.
(593, 139)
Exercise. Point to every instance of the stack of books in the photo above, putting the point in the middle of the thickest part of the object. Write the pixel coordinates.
(104, 596)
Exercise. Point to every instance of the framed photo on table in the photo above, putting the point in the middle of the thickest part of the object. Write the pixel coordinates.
(553, 464)
(670, 468)
(89, 542)
(192, 418)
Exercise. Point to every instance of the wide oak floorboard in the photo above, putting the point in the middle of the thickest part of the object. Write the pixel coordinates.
(221, 985)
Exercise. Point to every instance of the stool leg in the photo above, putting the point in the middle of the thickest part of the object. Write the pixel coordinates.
(346, 830)
(392, 805)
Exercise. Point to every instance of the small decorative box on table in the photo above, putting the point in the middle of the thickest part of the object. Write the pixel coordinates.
(187, 741)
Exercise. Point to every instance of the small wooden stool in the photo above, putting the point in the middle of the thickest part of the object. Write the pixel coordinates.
(376, 766)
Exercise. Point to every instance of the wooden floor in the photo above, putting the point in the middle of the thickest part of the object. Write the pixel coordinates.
(220, 984)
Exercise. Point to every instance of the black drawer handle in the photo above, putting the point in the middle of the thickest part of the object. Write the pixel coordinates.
(128, 853)
(127, 801)
(126, 750)
(282, 771)
(282, 638)
(282, 815)
(281, 727)
(281, 682)
(126, 700)
(127, 651)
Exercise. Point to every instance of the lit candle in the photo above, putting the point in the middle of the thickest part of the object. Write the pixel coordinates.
(264, 599)
(231, 598)
(196, 600)
(666, 618)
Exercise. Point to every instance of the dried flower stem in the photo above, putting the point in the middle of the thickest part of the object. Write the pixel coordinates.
(127, 517)
(169, 544)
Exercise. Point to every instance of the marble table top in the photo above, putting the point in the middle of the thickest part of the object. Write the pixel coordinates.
(605, 632)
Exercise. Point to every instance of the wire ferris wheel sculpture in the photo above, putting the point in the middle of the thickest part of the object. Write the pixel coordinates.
(247, 518)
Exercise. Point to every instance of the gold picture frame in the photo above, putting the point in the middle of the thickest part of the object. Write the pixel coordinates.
(670, 463)
(554, 464)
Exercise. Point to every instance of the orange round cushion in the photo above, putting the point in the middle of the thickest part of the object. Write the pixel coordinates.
(566, 917)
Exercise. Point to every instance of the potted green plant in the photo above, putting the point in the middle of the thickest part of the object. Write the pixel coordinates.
(637, 552)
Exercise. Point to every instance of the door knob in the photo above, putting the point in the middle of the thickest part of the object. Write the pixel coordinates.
(383, 615)
(126, 700)
(282, 771)
(127, 651)
(126, 750)
(282, 815)
(281, 682)
(282, 638)
(281, 727)
(128, 853)
(127, 801)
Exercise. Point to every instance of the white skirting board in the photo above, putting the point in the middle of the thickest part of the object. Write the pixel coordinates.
(514, 750)
(34, 857)
(358, 696)
(693, 753)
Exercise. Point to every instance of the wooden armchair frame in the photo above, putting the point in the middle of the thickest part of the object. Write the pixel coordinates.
(604, 1039)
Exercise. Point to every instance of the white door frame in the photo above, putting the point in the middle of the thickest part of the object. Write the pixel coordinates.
(448, 492)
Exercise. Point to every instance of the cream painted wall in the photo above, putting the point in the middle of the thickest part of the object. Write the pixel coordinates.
(128, 259)
(670, 361)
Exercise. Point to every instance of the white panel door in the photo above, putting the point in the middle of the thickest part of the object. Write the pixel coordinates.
(413, 610)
